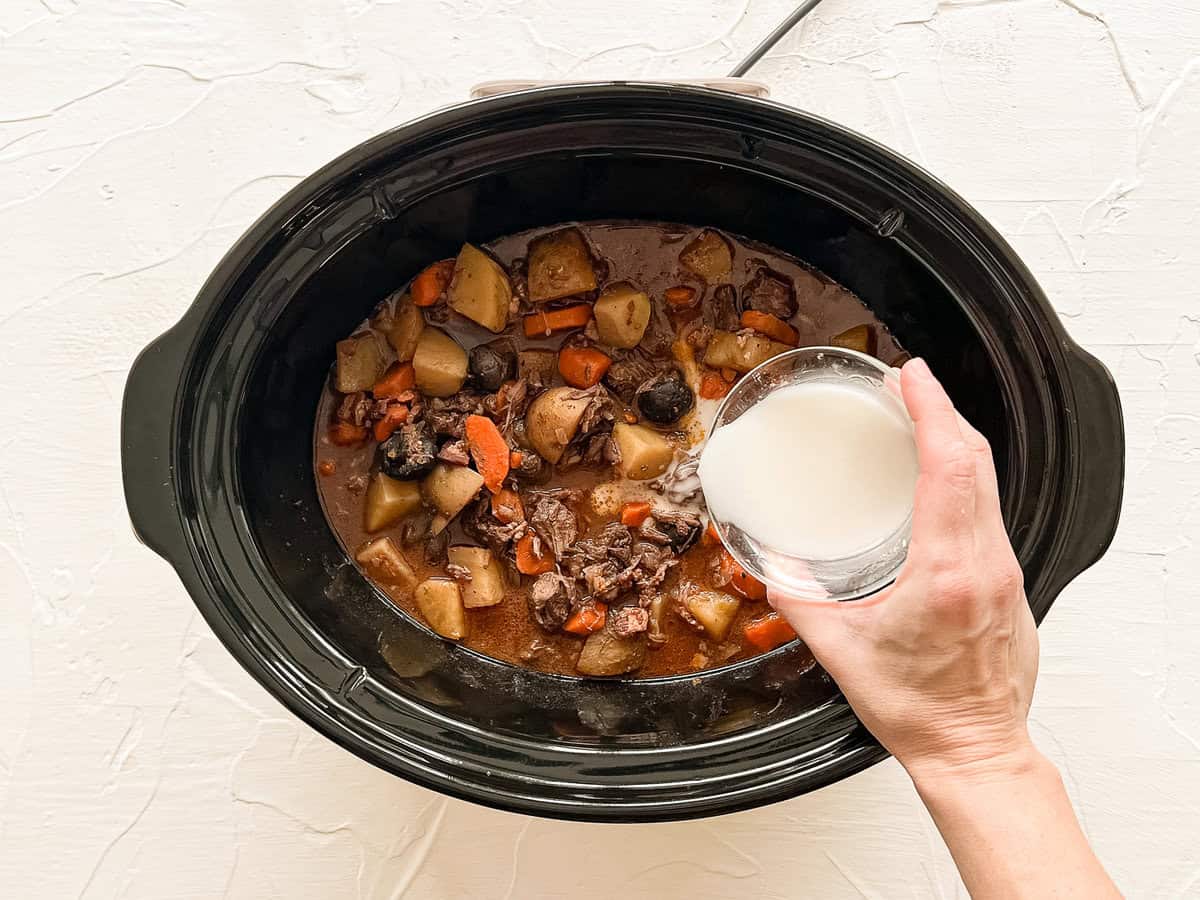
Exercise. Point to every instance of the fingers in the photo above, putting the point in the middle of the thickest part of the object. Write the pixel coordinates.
(944, 507)
(988, 517)
(820, 623)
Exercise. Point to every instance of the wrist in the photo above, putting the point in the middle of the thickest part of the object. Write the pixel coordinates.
(1012, 760)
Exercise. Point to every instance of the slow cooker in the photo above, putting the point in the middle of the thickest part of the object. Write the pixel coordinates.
(218, 416)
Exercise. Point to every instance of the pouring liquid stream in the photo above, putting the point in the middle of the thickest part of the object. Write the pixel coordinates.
(820, 470)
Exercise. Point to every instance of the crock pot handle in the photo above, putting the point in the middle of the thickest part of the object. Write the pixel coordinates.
(1101, 473)
(147, 422)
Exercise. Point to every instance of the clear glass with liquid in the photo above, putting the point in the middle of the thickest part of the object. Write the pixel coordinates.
(809, 473)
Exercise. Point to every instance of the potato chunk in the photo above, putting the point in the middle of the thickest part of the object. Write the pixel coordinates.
(389, 501)
(644, 453)
(714, 611)
(384, 562)
(440, 602)
(605, 653)
(552, 421)
(742, 351)
(360, 362)
(449, 488)
(439, 363)
(860, 338)
(622, 314)
(560, 265)
(480, 289)
(708, 256)
(486, 587)
(405, 327)
(605, 499)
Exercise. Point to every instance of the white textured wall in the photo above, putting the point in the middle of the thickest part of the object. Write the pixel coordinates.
(138, 139)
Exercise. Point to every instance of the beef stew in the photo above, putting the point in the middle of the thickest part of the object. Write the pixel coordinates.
(508, 446)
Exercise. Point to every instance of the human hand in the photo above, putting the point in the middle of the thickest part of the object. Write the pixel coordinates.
(940, 667)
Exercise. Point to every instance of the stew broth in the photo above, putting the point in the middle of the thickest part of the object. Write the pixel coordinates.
(700, 611)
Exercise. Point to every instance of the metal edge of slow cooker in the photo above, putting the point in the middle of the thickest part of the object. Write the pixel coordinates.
(153, 505)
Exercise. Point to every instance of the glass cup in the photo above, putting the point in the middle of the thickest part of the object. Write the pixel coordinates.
(813, 576)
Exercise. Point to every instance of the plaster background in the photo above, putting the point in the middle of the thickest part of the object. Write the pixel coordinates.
(138, 140)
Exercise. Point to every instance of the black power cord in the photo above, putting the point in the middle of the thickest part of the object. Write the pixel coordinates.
(773, 38)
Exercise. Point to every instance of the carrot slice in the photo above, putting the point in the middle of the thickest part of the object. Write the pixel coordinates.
(582, 367)
(767, 633)
(428, 287)
(713, 386)
(507, 506)
(395, 416)
(515, 459)
(680, 295)
(545, 322)
(741, 580)
(772, 326)
(346, 435)
(398, 378)
(530, 563)
(489, 449)
(634, 513)
(587, 619)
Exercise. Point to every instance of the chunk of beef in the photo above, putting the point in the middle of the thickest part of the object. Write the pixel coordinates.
(479, 523)
(596, 422)
(618, 540)
(555, 524)
(455, 453)
(551, 596)
(770, 292)
(508, 405)
(355, 409)
(628, 620)
(449, 415)
(651, 555)
(447, 422)
(629, 372)
(599, 414)
(682, 529)
(598, 448)
(601, 580)
(569, 496)
(438, 314)
(613, 543)
(532, 469)
(721, 311)
(651, 531)
(647, 580)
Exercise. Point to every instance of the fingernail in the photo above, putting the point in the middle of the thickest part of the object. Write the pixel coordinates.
(918, 366)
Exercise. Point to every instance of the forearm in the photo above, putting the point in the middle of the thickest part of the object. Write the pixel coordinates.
(1012, 831)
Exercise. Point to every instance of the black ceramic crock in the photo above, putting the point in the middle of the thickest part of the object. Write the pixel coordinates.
(218, 417)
